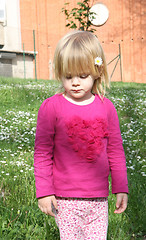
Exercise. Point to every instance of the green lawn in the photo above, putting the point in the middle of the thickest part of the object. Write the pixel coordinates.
(20, 217)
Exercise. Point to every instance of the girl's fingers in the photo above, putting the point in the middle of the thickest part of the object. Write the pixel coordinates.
(121, 204)
(47, 211)
(118, 203)
(120, 210)
(48, 205)
(54, 202)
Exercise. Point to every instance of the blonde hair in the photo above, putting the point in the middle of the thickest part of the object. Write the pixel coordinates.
(75, 55)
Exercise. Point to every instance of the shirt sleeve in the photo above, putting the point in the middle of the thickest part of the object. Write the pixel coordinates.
(115, 151)
(43, 150)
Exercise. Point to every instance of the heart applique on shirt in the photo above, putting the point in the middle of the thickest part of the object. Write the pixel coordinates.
(86, 136)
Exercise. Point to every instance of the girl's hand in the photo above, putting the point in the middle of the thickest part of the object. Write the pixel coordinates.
(48, 205)
(121, 204)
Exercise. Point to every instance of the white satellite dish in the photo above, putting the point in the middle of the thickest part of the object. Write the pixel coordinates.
(99, 14)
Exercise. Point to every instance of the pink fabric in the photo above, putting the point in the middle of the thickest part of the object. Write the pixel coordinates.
(86, 137)
(82, 219)
(76, 148)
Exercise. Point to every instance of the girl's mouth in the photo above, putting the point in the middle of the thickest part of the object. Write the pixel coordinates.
(76, 91)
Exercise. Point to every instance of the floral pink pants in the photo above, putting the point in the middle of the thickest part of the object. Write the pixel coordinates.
(82, 218)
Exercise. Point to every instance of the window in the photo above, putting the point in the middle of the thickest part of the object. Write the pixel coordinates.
(2, 11)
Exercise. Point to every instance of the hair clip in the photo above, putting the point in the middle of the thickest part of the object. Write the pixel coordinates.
(98, 61)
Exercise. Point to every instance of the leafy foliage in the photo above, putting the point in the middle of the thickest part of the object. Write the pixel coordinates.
(79, 17)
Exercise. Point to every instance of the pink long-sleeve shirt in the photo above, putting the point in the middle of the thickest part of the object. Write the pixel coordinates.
(76, 148)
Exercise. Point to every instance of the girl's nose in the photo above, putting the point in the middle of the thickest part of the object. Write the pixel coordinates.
(75, 81)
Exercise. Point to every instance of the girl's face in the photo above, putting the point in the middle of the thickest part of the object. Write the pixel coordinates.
(78, 88)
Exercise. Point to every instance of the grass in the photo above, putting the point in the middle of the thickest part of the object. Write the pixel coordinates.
(20, 217)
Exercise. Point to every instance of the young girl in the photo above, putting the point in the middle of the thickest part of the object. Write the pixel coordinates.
(78, 143)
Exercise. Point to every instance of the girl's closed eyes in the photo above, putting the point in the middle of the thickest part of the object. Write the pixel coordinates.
(82, 76)
(68, 77)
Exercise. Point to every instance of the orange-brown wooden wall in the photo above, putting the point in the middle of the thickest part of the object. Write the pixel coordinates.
(125, 26)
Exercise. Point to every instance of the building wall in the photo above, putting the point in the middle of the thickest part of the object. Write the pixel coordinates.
(12, 31)
(13, 65)
(11, 55)
(6, 67)
(18, 66)
(125, 28)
